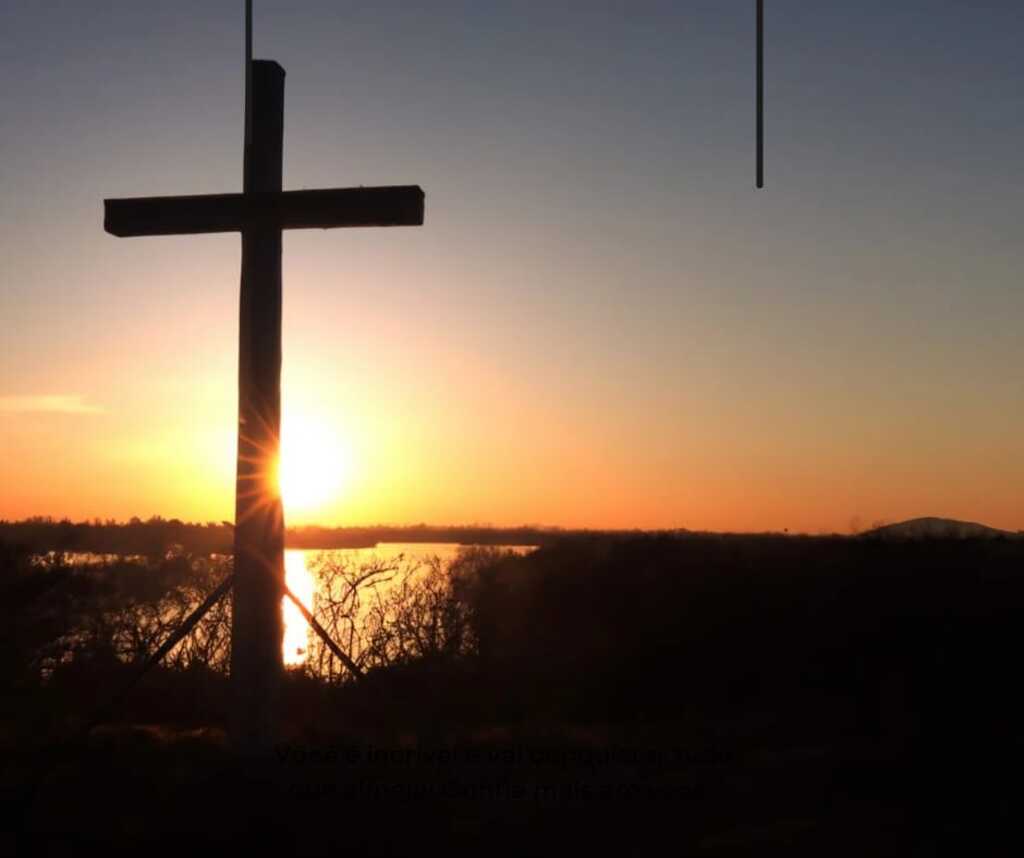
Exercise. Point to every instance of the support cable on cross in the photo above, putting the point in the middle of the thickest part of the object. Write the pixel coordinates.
(187, 625)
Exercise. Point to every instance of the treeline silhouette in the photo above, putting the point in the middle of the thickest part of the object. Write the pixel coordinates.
(155, 536)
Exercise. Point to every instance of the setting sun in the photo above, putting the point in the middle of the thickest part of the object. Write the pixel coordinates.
(314, 464)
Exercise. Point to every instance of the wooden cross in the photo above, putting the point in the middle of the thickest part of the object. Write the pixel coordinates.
(259, 214)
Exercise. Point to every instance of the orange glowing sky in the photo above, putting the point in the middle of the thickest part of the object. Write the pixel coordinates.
(601, 324)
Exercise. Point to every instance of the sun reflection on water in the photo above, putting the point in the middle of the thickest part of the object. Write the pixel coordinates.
(296, 630)
(297, 633)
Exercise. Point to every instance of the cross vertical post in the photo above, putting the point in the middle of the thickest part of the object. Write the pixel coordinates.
(257, 629)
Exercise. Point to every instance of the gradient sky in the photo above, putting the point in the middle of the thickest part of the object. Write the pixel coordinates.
(601, 323)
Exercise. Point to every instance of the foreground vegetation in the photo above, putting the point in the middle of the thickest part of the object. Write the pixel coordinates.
(819, 695)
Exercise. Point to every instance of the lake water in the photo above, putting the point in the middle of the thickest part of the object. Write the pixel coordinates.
(297, 564)
(301, 581)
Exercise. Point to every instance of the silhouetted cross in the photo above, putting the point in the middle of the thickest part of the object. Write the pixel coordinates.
(260, 213)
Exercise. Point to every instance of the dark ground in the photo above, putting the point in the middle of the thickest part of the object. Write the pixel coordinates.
(530, 790)
(705, 696)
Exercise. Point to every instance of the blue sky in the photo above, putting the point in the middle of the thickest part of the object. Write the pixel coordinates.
(844, 343)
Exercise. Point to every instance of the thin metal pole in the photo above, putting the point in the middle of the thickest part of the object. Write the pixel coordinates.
(248, 96)
(760, 93)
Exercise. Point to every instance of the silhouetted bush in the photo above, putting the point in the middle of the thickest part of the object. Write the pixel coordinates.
(901, 639)
(899, 635)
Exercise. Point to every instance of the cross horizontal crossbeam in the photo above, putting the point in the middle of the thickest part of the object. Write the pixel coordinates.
(397, 205)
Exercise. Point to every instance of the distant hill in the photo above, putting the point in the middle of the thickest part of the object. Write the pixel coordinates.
(937, 528)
